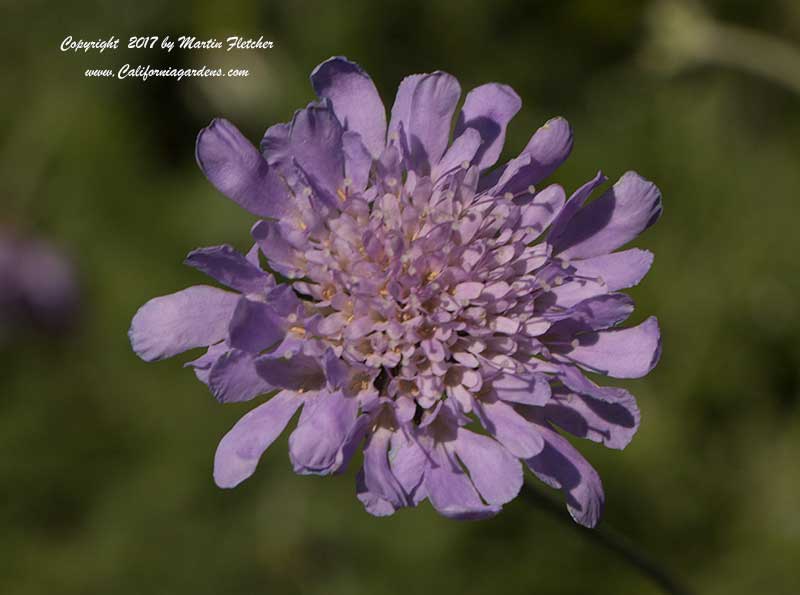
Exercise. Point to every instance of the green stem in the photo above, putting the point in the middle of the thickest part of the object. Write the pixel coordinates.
(610, 540)
(683, 34)
(757, 53)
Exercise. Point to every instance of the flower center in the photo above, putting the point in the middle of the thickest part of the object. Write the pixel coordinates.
(426, 283)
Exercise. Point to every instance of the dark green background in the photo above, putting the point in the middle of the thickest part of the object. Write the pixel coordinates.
(105, 461)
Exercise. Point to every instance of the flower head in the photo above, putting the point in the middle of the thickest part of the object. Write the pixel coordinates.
(438, 317)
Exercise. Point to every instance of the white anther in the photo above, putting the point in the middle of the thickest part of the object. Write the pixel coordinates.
(565, 264)
(391, 182)
(574, 343)
(532, 189)
(508, 196)
(558, 280)
(465, 164)
(347, 182)
(306, 191)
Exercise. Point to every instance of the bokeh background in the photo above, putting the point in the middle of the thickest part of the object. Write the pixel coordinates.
(105, 461)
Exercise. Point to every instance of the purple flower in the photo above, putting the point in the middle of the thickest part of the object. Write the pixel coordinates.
(38, 287)
(438, 315)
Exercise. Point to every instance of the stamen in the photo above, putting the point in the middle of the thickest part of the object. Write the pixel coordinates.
(508, 196)
(532, 189)
(341, 194)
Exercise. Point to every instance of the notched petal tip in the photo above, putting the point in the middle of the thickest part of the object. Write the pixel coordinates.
(488, 109)
(644, 186)
(224, 131)
(558, 133)
(559, 121)
(624, 211)
(340, 62)
(561, 466)
(238, 170)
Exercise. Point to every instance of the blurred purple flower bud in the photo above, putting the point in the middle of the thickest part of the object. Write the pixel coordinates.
(38, 287)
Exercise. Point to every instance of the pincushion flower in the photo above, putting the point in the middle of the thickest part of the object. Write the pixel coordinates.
(437, 314)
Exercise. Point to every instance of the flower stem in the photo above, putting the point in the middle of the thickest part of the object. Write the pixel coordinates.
(682, 34)
(609, 539)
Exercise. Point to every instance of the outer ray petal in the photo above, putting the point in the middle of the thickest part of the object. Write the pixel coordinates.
(234, 166)
(241, 448)
(355, 100)
(171, 324)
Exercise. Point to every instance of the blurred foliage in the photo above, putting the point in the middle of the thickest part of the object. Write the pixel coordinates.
(105, 462)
